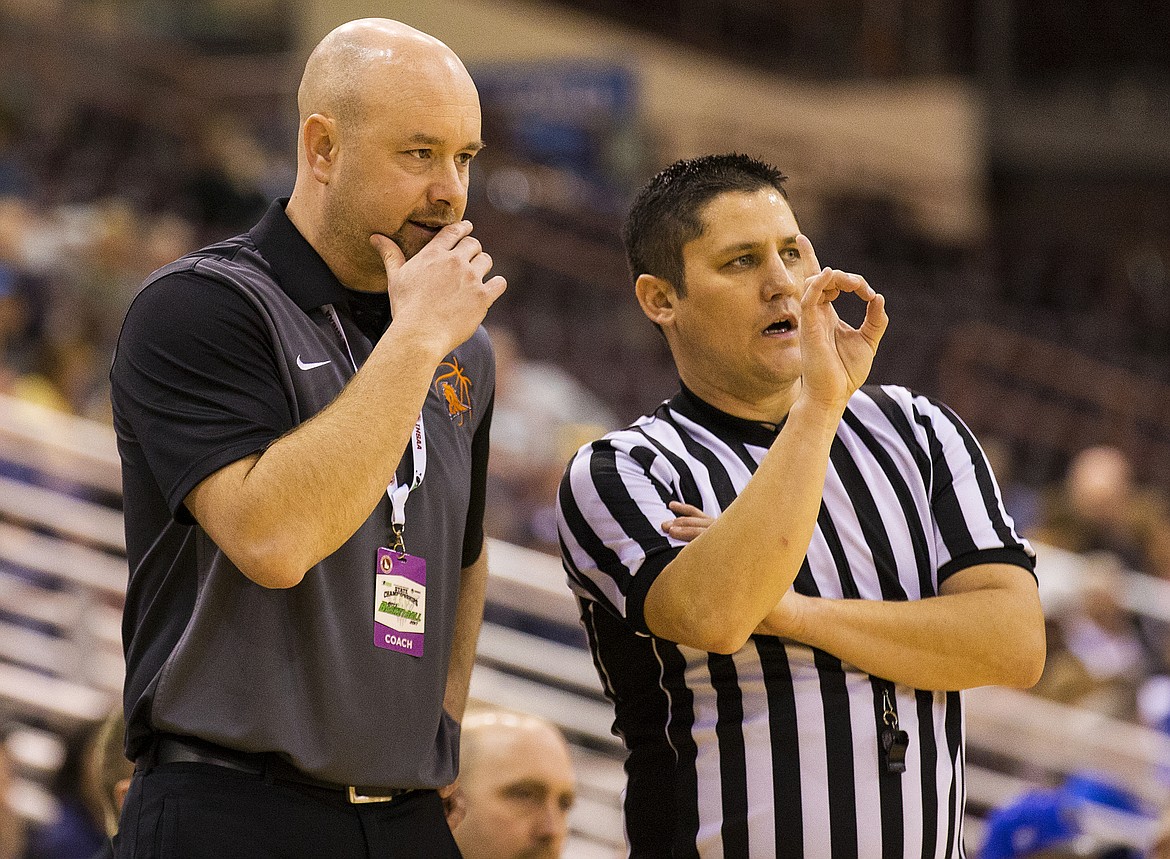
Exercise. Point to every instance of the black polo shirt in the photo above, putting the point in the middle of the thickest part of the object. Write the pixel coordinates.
(198, 383)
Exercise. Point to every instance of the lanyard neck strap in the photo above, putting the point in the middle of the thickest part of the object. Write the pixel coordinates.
(397, 492)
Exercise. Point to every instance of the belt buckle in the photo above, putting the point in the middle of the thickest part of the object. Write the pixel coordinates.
(356, 798)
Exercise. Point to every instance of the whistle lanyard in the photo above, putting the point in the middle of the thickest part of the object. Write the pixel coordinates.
(396, 492)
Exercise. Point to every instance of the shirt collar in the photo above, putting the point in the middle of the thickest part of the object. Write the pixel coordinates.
(729, 427)
(299, 269)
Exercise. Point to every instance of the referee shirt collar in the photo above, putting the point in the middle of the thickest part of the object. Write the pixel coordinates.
(299, 269)
(759, 433)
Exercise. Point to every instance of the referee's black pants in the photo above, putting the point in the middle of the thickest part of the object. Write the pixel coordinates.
(204, 811)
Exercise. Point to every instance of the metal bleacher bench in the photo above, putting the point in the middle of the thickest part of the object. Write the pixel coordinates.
(62, 581)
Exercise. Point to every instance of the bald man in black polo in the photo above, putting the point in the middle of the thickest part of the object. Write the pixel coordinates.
(302, 413)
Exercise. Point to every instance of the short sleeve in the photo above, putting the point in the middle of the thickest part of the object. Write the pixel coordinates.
(971, 525)
(611, 505)
(477, 504)
(195, 383)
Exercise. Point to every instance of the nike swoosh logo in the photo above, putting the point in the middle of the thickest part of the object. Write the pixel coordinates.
(312, 365)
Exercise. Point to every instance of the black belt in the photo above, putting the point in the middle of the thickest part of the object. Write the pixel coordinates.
(169, 749)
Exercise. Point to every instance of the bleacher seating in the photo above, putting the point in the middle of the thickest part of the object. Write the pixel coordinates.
(1049, 401)
(60, 665)
(62, 574)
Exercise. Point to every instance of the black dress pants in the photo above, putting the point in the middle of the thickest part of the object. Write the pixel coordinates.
(204, 811)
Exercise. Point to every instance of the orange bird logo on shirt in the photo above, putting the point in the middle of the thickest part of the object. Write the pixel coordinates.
(454, 387)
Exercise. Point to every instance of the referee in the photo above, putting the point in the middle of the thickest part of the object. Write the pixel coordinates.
(786, 682)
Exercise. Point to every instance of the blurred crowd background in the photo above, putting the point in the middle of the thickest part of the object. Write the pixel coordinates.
(1000, 169)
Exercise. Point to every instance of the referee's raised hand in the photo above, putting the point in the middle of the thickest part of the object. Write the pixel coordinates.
(440, 292)
(836, 357)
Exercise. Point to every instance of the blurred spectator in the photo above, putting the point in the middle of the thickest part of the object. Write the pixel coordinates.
(63, 378)
(11, 826)
(1097, 789)
(79, 829)
(106, 244)
(108, 774)
(516, 778)
(1096, 658)
(167, 237)
(1160, 849)
(67, 276)
(1058, 823)
(1041, 823)
(541, 415)
(1099, 506)
(1153, 705)
(222, 193)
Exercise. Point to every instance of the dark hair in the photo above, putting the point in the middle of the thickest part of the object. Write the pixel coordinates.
(667, 213)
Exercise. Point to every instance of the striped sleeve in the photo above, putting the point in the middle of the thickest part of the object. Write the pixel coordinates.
(610, 509)
(971, 525)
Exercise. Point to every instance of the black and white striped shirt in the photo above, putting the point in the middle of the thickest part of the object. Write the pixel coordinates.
(773, 750)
